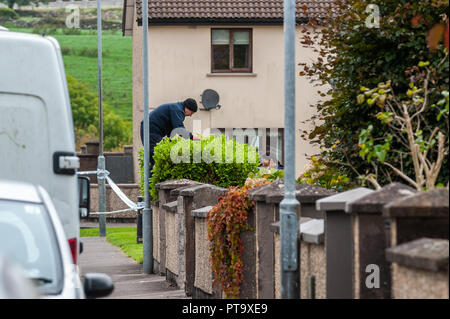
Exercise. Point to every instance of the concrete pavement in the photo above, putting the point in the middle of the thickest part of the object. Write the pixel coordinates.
(129, 280)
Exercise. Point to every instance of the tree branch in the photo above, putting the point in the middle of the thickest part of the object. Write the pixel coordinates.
(403, 175)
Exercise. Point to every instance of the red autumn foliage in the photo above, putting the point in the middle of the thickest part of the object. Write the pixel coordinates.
(226, 221)
(437, 33)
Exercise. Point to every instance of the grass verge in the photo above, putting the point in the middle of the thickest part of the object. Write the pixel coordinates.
(123, 237)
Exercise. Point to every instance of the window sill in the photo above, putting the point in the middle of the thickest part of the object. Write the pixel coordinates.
(231, 74)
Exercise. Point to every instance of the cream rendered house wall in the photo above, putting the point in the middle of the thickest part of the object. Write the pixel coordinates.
(180, 66)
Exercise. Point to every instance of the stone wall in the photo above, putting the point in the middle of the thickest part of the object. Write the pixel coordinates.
(113, 203)
(203, 278)
(346, 242)
(312, 260)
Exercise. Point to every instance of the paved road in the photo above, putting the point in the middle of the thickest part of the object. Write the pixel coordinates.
(129, 281)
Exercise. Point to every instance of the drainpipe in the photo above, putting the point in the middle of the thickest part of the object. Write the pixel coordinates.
(101, 158)
(290, 283)
(147, 236)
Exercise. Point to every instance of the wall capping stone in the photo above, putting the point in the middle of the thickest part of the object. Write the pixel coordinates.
(424, 253)
(190, 191)
(432, 203)
(310, 230)
(273, 193)
(260, 193)
(174, 183)
(313, 231)
(305, 194)
(170, 207)
(373, 202)
(340, 201)
(176, 192)
(201, 212)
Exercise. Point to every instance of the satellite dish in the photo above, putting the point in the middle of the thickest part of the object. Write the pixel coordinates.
(210, 99)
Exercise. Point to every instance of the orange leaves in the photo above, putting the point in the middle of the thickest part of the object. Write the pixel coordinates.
(435, 36)
(437, 33)
(416, 20)
(446, 44)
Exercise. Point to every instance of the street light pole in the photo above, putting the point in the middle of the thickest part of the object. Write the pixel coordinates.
(147, 220)
(290, 283)
(101, 158)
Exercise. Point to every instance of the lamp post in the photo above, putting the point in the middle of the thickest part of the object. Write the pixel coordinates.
(101, 158)
(147, 229)
(290, 280)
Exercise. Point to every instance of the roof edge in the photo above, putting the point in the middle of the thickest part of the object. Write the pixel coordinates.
(215, 21)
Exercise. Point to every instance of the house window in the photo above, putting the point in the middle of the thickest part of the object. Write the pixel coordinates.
(231, 50)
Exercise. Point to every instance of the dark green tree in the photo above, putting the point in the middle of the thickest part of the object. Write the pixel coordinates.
(360, 44)
(84, 103)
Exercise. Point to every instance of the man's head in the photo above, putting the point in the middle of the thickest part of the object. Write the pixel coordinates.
(190, 106)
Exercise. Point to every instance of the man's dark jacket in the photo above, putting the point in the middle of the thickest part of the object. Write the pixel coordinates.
(163, 120)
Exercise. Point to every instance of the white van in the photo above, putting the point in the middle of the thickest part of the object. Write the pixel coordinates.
(37, 142)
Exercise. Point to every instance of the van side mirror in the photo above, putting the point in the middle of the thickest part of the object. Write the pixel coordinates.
(97, 285)
(84, 185)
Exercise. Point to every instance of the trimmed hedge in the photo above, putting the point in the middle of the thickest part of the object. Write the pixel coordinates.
(212, 160)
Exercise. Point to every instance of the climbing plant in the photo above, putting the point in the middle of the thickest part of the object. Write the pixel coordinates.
(226, 222)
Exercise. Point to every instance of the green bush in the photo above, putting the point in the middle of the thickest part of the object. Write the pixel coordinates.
(317, 173)
(8, 13)
(212, 160)
(116, 131)
(271, 174)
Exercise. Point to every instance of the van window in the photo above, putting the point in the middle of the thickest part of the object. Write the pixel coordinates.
(27, 238)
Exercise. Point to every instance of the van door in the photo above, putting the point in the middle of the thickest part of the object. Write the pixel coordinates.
(25, 153)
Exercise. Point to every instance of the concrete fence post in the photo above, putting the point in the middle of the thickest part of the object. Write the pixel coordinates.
(312, 258)
(370, 241)
(420, 269)
(203, 286)
(192, 198)
(267, 204)
(339, 242)
(159, 224)
(418, 224)
(424, 214)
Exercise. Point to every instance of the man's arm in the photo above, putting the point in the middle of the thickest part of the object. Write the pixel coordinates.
(177, 117)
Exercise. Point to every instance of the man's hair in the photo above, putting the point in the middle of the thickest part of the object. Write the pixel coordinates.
(190, 104)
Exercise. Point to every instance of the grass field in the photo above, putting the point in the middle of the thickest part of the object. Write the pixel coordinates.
(80, 61)
(123, 237)
(117, 77)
